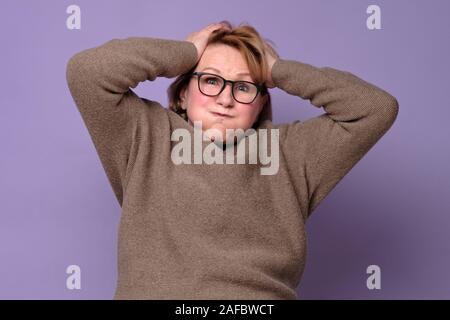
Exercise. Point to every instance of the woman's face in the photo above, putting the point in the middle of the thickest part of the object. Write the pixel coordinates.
(227, 62)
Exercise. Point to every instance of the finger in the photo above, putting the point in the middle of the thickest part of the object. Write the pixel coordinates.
(211, 28)
(224, 25)
(213, 25)
(219, 25)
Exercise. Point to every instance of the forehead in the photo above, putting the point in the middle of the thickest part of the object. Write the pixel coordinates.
(224, 60)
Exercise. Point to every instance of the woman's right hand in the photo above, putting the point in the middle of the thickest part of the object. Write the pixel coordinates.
(200, 38)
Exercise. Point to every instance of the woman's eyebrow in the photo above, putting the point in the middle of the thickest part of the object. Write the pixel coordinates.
(218, 71)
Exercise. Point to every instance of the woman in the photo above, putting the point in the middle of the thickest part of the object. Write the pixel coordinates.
(218, 231)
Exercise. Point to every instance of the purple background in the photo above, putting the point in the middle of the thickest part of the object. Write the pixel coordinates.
(392, 209)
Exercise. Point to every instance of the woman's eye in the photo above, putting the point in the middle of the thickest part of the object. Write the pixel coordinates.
(243, 87)
(211, 80)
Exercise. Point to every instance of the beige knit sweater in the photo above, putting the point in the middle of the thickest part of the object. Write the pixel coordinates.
(216, 231)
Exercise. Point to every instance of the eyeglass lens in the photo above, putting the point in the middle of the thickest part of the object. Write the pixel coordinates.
(243, 92)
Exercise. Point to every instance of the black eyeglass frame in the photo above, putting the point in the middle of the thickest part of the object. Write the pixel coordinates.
(259, 88)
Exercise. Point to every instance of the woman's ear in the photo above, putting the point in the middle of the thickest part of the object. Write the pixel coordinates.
(264, 100)
(266, 110)
(183, 99)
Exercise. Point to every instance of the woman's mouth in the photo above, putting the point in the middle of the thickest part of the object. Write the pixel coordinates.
(221, 115)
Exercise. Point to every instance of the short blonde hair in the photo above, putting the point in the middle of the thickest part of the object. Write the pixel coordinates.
(248, 41)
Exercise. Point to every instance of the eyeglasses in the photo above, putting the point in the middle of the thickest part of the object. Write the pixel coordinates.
(212, 85)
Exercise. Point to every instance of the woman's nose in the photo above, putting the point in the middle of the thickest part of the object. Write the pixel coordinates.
(226, 96)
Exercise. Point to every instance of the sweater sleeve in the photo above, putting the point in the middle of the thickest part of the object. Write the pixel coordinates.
(99, 80)
(321, 151)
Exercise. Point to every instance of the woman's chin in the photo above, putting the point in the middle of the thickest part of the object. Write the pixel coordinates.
(215, 135)
(221, 138)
